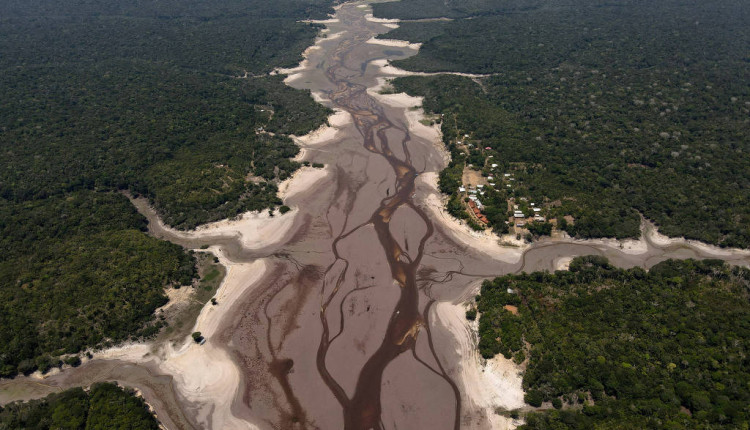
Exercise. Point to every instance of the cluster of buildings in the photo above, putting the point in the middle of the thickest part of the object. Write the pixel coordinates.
(520, 218)
(477, 211)
(475, 205)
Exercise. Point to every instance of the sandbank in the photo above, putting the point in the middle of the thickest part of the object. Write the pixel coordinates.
(486, 384)
(651, 233)
(414, 115)
(326, 132)
(322, 21)
(394, 42)
(303, 179)
(370, 17)
(217, 382)
(254, 230)
(562, 263)
(389, 70)
(627, 246)
(333, 36)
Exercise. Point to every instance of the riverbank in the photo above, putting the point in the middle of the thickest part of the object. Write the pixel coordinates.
(487, 385)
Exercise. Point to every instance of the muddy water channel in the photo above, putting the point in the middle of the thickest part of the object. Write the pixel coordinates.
(339, 329)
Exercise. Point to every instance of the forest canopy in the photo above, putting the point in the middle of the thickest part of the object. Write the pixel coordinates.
(79, 272)
(165, 100)
(103, 406)
(616, 348)
(601, 110)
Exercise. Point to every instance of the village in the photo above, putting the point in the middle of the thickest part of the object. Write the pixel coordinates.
(488, 197)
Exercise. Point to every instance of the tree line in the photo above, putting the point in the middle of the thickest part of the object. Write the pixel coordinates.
(102, 406)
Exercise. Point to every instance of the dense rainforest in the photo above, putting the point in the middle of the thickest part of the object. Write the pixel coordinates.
(103, 406)
(615, 348)
(173, 100)
(165, 99)
(602, 111)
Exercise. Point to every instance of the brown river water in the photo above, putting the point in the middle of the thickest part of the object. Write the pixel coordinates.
(338, 331)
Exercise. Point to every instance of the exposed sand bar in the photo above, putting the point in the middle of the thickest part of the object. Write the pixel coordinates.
(386, 69)
(394, 43)
(486, 384)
